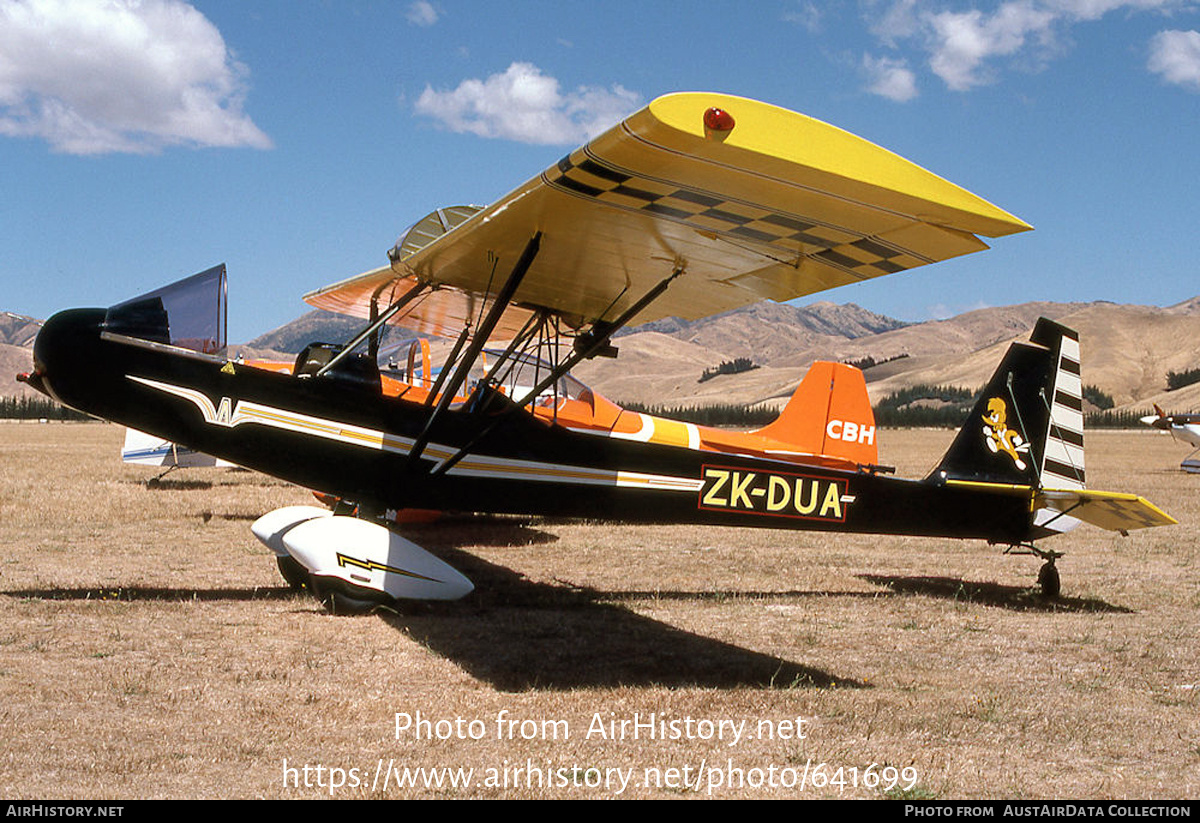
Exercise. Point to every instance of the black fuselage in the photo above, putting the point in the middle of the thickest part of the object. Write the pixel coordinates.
(344, 437)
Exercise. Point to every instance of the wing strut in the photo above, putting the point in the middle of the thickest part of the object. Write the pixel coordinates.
(453, 358)
(593, 342)
(596, 340)
(503, 298)
(371, 329)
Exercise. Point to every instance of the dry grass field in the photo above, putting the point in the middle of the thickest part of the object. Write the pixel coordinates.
(148, 649)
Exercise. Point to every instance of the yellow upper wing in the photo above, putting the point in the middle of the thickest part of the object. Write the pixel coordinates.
(778, 207)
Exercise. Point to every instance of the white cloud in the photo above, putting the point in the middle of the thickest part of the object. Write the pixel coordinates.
(138, 76)
(1176, 56)
(898, 21)
(964, 46)
(422, 13)
(805, 14)
(1095, 9)
(942, 311)
(963, 41)
(525, 105)
(890, 78)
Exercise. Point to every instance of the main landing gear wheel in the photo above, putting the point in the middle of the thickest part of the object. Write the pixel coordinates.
(293, 573)
(338, 601)
(342, 604)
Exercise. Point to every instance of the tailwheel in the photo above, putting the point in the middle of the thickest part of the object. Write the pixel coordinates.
(1048, 578)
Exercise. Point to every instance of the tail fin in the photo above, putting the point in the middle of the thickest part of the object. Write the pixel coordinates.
(829, 414)
(1027, 426)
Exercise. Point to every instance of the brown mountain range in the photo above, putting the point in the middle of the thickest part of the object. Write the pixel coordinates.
(1127, 353)
(1127, 350)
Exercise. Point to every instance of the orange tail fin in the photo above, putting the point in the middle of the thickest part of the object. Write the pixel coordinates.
(829, 414)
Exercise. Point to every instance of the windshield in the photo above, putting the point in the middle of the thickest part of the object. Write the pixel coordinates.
(420, 362)
(522, 373)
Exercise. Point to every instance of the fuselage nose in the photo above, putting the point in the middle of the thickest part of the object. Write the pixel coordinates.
(65, 349)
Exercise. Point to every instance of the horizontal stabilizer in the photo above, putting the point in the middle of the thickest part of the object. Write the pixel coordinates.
(1115, 511)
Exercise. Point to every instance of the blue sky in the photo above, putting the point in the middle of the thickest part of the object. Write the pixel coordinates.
(294, 139)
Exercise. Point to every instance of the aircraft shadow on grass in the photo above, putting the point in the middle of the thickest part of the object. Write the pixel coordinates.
(144, 594)
(518, 634)
(1015, 598)
(176, 484)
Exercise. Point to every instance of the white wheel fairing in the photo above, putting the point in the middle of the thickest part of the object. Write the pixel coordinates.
(370, 557)
(272, 526)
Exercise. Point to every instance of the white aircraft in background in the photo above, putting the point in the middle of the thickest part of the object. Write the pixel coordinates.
(142, 449)
(1185, 427)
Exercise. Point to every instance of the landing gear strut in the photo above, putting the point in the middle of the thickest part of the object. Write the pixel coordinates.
(1048, 578)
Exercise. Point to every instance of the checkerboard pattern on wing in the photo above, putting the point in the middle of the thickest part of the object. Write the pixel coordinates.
(736, 220)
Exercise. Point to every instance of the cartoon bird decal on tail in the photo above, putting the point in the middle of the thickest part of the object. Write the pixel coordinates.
(999, 437)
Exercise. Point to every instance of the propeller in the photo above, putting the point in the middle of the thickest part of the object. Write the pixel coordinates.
(1159, 420)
